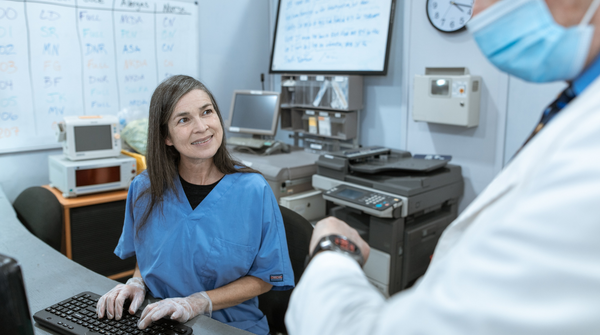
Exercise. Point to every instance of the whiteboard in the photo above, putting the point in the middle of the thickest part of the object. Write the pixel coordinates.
(86, 57)
(332, 36)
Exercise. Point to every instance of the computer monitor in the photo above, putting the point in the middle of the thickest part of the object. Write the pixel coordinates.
(254, 112)
(14, 309)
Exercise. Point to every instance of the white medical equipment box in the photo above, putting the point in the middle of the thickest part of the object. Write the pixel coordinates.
(447, 96)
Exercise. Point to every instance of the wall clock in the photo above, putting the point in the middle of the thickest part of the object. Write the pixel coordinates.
(449, 16)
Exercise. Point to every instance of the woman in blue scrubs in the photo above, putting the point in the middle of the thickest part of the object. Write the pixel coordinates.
(206, 230)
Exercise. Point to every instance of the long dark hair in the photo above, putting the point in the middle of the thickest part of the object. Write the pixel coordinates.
(162, 161)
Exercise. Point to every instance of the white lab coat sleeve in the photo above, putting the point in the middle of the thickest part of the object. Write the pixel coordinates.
(333, 297)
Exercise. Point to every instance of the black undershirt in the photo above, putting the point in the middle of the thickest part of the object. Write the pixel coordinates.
(196, 193)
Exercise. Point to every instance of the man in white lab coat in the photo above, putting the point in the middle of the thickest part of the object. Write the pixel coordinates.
(524, 257)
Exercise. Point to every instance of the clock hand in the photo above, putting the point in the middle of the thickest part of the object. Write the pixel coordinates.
(447, 10)
(461, 4)
(457, 6)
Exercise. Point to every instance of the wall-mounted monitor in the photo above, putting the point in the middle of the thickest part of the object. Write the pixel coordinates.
(254, 112)
(333, 37)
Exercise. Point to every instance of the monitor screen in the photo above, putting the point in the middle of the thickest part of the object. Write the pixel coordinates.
(332, 36)
(254, 112)
(90, 138)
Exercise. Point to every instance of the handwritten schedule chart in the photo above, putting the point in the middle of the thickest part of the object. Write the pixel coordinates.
(86, 57)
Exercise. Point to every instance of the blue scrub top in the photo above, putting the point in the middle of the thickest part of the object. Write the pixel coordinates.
(236, 231)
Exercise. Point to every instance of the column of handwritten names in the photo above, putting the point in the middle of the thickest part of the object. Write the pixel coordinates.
(174, 20)
(135, 52)
(55, 63)
(15, 102)
(96, 36)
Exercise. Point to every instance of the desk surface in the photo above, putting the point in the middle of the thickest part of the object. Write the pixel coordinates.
(51, 277)
(88, 199)
(281, 166)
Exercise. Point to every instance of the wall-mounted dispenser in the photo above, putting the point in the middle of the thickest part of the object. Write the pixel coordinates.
(447, 96)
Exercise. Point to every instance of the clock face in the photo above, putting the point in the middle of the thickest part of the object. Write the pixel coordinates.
(449, 16)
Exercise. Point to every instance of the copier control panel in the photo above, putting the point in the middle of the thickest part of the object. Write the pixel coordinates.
(368, 201)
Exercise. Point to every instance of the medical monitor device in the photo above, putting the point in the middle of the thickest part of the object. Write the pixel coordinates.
(74, 178)
(14, 309)
(254, 112)
(89, 137)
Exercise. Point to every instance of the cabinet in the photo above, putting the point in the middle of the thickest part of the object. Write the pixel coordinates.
(333, 92)
(92, 226)
(322, 110)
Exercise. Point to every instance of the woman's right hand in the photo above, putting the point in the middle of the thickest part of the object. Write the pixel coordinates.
(112, 302)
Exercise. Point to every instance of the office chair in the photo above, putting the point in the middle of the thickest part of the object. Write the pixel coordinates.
(41, 213)
(275, 303)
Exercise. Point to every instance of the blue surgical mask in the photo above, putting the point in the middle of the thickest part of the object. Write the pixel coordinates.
(521, 38)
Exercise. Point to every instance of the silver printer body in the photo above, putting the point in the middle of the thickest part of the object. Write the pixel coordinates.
(399, 204)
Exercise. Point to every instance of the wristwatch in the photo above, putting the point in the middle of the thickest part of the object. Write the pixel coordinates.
(340, 244)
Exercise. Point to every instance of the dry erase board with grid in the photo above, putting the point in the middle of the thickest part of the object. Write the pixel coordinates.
(332, 36)
(86, 57)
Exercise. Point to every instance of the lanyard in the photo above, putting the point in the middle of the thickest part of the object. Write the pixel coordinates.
(587, 77)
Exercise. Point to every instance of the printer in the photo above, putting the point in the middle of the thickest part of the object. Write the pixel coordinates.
(399, 204)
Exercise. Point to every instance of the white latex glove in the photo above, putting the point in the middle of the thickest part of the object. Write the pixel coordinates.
(180, 309)
(112, 302)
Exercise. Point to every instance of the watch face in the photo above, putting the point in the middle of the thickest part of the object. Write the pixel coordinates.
(449, 16)
(344, 244)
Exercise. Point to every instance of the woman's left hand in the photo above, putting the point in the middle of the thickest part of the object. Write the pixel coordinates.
(180, 309)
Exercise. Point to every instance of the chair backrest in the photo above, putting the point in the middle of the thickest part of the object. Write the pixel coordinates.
(41, 213)
(274, 303)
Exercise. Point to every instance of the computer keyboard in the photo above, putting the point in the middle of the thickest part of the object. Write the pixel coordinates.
(77, 316)
(254, 143)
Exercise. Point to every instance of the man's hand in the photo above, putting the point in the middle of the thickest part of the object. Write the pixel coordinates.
(331, 225)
